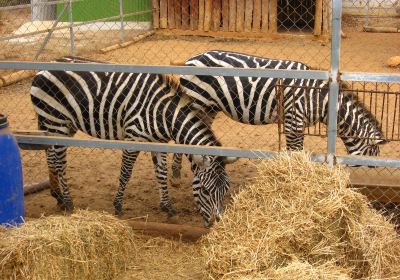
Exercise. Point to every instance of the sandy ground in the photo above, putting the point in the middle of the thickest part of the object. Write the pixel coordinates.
(93, 173)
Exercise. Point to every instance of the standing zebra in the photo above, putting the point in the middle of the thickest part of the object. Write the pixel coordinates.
(134, 107)
(254, 101)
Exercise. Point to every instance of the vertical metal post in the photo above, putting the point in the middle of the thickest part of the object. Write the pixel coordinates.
(71, 29)
(334, 82)
(121, 14)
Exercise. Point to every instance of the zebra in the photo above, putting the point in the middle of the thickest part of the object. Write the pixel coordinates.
(255, 101)
(133, 107)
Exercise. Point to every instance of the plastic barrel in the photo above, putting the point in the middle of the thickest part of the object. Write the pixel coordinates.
(11, 182)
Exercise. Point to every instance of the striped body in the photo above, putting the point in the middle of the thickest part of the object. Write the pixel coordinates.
(255, 101)
(127, 106)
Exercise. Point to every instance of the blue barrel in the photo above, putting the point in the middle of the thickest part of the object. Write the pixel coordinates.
(11, 183)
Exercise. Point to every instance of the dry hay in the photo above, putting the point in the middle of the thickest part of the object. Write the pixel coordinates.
(162, 259)
(299, 220)
(85, 245)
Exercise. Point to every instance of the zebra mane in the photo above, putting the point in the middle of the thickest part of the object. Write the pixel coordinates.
(347, 94)
(172, 81)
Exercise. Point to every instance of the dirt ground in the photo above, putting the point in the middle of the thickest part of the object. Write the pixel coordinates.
(93, 173)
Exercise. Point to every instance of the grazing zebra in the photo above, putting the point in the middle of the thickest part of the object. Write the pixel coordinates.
(134, 107)
(255, 101)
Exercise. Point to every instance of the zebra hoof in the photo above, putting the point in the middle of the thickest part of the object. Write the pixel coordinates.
(58, 196)
(118, 210)
(168, 209)
(175, 182)
(67, 206)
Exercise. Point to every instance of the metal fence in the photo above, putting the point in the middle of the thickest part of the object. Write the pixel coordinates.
(122, 33)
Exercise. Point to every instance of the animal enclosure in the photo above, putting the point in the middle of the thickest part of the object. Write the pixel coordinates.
(93, 171)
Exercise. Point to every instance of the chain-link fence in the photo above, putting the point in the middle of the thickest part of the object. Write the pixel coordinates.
(249, 111)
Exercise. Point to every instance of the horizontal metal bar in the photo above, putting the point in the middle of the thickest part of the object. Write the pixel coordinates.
(142, 146)
(187, 70)
(191, 149)
(370, 77)
(367, 161)
(16, 7)
(70, 25)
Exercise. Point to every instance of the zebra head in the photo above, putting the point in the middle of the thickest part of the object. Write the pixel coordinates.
(213, 183)
(358, 128)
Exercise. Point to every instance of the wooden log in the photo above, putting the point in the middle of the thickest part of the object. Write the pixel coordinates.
(273, 16)
(216, 15)
(36, 187)
(185, 14)
(16, 77)
(382, 29)
(173, 231)
(156, 13)
(232, 15)
(264, 15)
(194, 14)
(207, 15)
(178, 14)
(225, 15)
(318, 18)
(163, 14)
(248, 15)
(123, 45)
(201, 15)
(240, 15)
(171, 14)
(257, 16)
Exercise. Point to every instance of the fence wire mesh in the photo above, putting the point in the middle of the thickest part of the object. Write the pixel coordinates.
(170, 33)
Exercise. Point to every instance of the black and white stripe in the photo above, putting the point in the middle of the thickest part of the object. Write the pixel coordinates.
(134, 107)
(255, 101)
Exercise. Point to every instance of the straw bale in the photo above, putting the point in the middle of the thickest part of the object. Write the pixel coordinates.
(85, 245)
(301, 216)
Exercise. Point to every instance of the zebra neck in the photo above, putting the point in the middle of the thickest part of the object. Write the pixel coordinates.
(189, 128)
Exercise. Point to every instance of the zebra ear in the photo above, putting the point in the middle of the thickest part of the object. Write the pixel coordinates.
(201, 160)
(229, 160)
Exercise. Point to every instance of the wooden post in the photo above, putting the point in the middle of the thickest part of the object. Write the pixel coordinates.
(273, 16)
(248, 15)
(240, 16)
(326, 17)
(225, 15)
(185, 14)
(171, 14)
(257, 16)
(163, 13)
(201, 14)
(156, 13)
(318, 18)
(232, 15)
(178, 14)
(216, 15)
(207, 15)
(264, 15)
(194, 14)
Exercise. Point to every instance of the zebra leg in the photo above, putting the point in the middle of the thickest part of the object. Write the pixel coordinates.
(294, 132)
(128, 161)
(176, 170)
(60, 153)
(161, 169)
(53, 176)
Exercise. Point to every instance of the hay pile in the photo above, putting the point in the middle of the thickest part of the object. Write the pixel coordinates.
(85, 245)
(298, 220)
